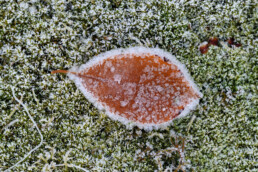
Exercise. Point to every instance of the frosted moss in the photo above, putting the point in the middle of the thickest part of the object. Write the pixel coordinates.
(39, 36)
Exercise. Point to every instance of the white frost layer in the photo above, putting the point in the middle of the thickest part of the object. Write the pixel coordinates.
(133, 50)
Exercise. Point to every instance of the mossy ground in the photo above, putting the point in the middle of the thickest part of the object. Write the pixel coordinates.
(39, 36)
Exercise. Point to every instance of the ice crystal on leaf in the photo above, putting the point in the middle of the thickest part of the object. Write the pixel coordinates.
(137, 86)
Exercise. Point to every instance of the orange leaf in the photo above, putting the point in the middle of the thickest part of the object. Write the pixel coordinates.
(146, 87)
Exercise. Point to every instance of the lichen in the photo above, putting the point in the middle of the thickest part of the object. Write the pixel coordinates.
(39, 36)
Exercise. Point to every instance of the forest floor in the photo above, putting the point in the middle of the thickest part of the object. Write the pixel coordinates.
(46, 124)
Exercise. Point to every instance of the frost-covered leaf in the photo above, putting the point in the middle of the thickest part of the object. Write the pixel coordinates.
(140, 86)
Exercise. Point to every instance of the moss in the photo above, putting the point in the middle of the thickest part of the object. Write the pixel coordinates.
(39, 36)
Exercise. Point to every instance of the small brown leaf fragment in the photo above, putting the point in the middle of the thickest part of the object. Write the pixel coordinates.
(204, 48)
(213, 41)
(165, 59)
(238, 44)
(231, 41)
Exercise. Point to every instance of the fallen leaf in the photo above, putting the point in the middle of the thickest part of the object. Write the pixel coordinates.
(139, 86)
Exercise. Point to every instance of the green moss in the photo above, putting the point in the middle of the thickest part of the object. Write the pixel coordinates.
(40, 36)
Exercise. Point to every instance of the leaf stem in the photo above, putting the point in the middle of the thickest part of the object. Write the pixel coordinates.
(63, 71)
